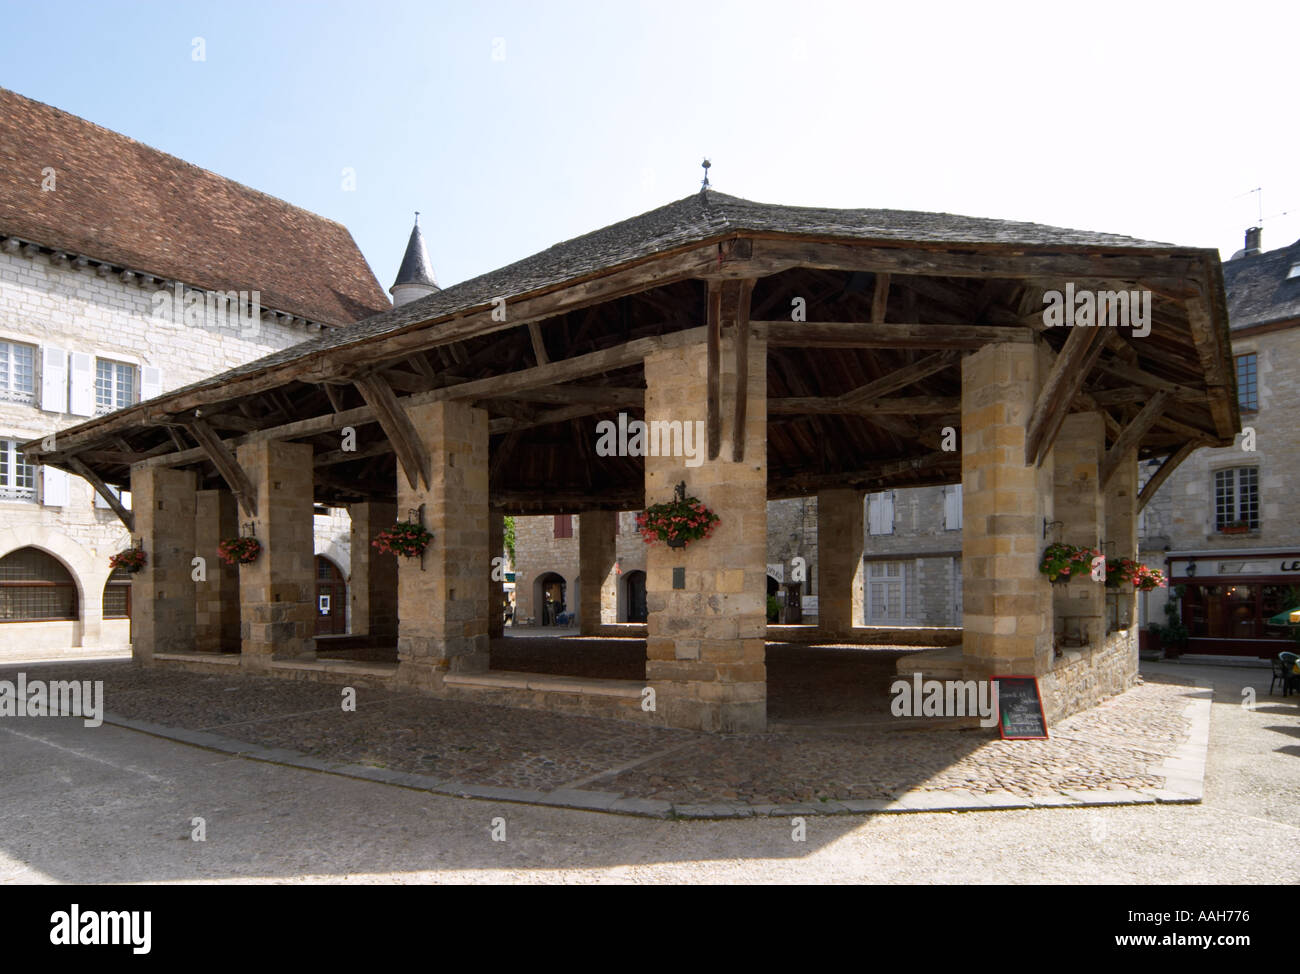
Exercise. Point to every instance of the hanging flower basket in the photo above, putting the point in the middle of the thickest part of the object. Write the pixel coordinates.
(1062, 562)
(130, 561)
(239, 551)
(405, 538)
(1126, 572)
(676, 523)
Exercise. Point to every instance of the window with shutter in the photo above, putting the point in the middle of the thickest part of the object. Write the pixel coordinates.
(17, 372)
(952, 507)
(54, 379)
(564, 525)
(17, 476)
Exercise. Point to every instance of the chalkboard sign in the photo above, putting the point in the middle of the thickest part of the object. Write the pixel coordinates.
(1020, 709)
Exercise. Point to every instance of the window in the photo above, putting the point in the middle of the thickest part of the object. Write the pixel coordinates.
(17, 476)
(1294, 271)
(35, 586)
(952, 507)
(1247, 387)
(885, 591)
(17, 372)
(880, 513)
(114, 386)
(564, 525)
(1236, 498)
(117, 595)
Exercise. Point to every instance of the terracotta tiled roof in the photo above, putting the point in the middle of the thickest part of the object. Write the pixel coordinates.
(121, 202)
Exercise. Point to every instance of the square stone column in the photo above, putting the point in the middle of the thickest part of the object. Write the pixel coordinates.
(1080, 604)
(496, 586)
(277, 592)
(162, 593)
(839, 561)
(373, 586)
(216, 616)
(596, 557)
(705, 650)
(443, 609)
(1120, 494)
(1006, 601)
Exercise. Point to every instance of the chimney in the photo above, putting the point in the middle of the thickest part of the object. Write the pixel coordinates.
(1252, 242)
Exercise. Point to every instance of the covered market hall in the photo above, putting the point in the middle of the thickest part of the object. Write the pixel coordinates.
(824, 352)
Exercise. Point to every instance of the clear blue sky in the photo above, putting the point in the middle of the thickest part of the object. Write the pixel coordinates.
(1144, 119)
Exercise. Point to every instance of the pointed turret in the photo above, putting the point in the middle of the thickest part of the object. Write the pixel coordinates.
(415, 277)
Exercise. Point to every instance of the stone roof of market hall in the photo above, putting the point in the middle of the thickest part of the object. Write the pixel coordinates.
(644, 278)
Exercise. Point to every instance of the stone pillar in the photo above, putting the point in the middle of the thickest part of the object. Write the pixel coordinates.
(705, 650)
(1006, 601)
(443, 608)
(496, 585)
(596, 557)
(1080, 604)
(839, 561)
(216, 614)
(373, 585)
(277, 593)
(162, 593)
(1120, 494)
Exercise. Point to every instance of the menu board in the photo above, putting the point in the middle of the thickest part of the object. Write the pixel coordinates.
(1020, 709)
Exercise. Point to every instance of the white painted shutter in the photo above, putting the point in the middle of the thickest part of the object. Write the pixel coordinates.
(81, 384)
(54, 486)
(880, 513)
(952, 507)
(54, 379)
(150, 382)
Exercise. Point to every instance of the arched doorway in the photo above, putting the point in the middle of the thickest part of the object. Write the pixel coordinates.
(331, 598)
(634, 597)
(35, 587)
(548, 597)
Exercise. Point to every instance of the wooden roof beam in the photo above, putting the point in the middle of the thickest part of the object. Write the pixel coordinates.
(1132, 434)
(102, 489)
(227, 465)
(1064, 383)
(1169, 466)
(856, 334)
(398, 427)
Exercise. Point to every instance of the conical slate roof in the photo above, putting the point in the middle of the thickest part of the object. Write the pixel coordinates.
(416, 267)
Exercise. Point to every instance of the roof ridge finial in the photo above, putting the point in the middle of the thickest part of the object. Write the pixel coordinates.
(704, 183)
(417, 218)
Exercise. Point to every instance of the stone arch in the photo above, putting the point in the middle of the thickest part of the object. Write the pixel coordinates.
(543, 581)
(89, 573)
(631, 596)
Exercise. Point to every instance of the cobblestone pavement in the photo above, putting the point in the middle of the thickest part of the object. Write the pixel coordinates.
(854, 753)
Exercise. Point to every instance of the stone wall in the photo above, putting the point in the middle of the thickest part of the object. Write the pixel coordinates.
(1084, 678)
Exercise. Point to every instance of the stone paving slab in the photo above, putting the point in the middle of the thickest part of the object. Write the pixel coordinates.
(1146, 746)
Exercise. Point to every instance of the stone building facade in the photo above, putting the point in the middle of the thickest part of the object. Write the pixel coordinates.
(1225, 525)
(87, 327)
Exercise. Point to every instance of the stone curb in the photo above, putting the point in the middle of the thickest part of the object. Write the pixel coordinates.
(1184, 782)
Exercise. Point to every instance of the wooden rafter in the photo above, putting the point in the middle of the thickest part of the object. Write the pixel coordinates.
(223, 458)
(1132, 434)
(856, 334)
(1063, 383)
(102, 489)
(1169, 466)
(539, 346)
(398, 427)
(880, 298)
(900, 378)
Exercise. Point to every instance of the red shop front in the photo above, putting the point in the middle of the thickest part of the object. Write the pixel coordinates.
(1228, 599)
